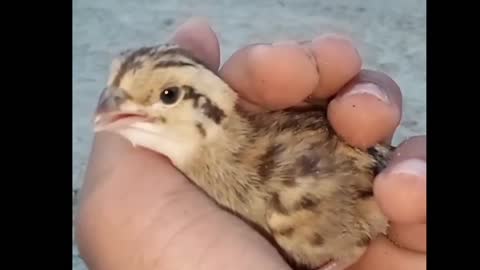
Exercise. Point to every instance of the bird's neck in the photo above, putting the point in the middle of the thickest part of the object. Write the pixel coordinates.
(222, 169)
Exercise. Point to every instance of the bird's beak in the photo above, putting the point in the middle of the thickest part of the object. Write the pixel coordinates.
(110, 100)
(109, 114)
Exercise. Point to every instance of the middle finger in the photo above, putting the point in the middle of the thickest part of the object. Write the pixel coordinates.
(284, 74)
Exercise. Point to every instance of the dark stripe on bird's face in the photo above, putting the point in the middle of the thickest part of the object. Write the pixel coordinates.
(201, 130)
(173, 63)
(212, 111)
(180, 52)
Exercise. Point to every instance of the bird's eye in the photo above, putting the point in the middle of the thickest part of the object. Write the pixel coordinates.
(170, 95)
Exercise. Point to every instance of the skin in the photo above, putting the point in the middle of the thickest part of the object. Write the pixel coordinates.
(137, 212)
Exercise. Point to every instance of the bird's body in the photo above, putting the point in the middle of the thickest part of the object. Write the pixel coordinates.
(285, 172)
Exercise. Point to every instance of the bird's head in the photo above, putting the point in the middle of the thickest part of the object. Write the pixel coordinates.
(164, 99)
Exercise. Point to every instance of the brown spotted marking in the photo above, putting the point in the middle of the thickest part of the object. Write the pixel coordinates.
(209, 109)
(289, 182)
(268, 163)
(287, 176)
(308, 164)
(363, 241)
(201, 129)
(286, 232)
(346, 165)
(162, 119)
(288, 124)
(365, 194)
(375, 169)
(277, 204)
(304, 119)
(255, 121)
(380, 155)
(317, 240)
(307, 202)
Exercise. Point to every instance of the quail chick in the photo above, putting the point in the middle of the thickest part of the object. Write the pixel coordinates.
(284, 172)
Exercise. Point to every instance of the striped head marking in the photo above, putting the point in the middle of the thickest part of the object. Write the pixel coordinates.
(164, 99)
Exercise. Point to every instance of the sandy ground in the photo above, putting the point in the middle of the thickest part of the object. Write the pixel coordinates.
(390, 35)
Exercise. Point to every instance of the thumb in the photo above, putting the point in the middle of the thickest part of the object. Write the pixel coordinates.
(138, 212)
(112, 154)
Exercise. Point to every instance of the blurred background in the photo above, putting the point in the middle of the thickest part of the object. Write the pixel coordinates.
(389, 34)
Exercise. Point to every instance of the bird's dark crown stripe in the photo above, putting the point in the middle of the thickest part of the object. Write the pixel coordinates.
(132, 61)
(172, 63)
(179, 52)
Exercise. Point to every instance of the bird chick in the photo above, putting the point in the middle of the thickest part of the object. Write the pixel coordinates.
(284, 172)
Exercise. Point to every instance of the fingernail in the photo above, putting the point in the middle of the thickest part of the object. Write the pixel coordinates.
(332, 266)
(416, 167)
(336, 36)
(368, 89)
(285, 42)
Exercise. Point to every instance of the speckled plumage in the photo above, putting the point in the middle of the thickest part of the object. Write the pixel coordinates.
(285, 172)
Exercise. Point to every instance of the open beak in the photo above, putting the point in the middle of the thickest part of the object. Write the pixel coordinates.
(109, 114)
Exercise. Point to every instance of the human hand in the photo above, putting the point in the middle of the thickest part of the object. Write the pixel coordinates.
(137, 212)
